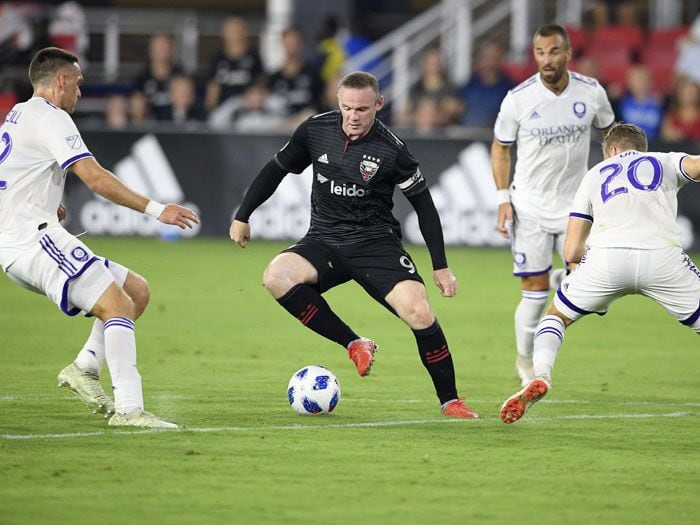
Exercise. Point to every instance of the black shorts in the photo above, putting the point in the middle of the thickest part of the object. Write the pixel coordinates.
(375, 264)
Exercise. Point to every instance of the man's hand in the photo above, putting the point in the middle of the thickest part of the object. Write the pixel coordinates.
(178, 216)
(505, 219)
(62, 213)
(240, 233)
(446, 281)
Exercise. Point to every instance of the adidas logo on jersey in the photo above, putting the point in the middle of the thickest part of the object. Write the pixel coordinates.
(323, 159)
(535, 115)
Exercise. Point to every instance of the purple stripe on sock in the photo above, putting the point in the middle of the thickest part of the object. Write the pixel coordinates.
(548, 330)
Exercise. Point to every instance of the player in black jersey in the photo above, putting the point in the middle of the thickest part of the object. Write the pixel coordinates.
(357, 161)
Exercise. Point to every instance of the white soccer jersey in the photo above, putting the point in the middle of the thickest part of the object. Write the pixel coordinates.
(38, 142)
(632, 200)
(553, 134)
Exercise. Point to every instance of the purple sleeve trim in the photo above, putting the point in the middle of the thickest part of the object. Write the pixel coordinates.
(74, 159)
(581, 216)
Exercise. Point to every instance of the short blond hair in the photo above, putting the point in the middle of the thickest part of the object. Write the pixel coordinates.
(625, 137)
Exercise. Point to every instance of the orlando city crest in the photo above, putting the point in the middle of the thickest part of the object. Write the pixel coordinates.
(369, 167)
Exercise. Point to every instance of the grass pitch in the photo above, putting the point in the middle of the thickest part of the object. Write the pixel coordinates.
(616, 441)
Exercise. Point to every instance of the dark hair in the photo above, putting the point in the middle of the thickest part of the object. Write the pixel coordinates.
(48, 62)
(625, 137)
(553, 29)
(360, 80)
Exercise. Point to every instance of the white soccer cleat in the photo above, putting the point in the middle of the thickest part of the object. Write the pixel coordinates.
(523, 365)
(86, 385)
(141, 419)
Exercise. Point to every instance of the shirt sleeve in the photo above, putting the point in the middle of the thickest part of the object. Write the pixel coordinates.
(409, 177)
(506, 128)
(582, 207)
(294, 157)
(682, 178)
(61, 138)
(604, 117)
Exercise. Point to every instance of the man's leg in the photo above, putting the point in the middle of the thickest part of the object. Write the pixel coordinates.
(117, 311)
(288, 278)
(410, 302)
(91, 357)
(535, 291)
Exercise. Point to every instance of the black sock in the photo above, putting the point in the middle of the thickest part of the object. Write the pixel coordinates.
(307, 305)
(437, 359)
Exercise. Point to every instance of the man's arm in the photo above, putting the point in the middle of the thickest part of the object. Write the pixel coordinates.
(500, 165)
(575, 243)
(262, 188)
(691, 166)
(431, 229)
(104, 183)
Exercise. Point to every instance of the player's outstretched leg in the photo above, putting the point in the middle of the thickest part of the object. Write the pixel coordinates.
(86, 385)
(361, 352)
(515, 406)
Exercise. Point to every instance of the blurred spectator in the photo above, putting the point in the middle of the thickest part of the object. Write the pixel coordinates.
(15, 34)
(356, 41)
(139, 110)
(640, 106)
(184, 107)
(611, 12)
(485, 90)
(688, 63)
(255, 111)
(331, 54)
(117, 111)
(154, 81)
(428, 116)
(329, 96)
(235, 68)
(682, 120)
(587, 65)
(68, 30)
(298, 81)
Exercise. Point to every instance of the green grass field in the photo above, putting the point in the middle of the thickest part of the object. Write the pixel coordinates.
(616, 441)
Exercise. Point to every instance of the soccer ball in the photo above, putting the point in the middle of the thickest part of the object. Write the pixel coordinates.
(313, 390)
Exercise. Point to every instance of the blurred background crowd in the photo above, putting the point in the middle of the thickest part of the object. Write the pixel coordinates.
(651, 75)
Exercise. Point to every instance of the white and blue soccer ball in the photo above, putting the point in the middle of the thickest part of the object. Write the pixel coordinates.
(313, 390)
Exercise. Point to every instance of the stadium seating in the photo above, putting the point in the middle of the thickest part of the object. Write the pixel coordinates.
(614, 62)
(660, 60)
(613, 37)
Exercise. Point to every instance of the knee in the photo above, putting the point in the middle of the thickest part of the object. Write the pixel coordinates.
(122, 306)
(418, 315)
(276, 279)
(140, 295)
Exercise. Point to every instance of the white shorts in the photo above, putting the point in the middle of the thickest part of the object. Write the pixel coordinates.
(66, 271)
(532, 244)
(667, 275)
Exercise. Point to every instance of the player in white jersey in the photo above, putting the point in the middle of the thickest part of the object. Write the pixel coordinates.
(624, 212)
(39, 142)
(550, 117)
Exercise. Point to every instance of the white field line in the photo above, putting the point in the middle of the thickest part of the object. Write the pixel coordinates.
(370, 424)
(178, 397)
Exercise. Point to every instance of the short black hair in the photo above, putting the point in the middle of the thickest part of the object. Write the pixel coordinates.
(625, 137)
(360, 80)
(553, 29)
(48, 62)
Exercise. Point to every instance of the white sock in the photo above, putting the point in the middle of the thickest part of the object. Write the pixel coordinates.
(120, 350)
(527, 314)
(92, 356)
(548, 339)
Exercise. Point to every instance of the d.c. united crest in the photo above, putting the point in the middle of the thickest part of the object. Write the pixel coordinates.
(369, 167)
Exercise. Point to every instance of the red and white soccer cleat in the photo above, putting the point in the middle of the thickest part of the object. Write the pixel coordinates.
(458, 408)
(515, 406)
(361, 352)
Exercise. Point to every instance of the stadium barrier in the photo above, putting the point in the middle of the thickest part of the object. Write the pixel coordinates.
(211, 173)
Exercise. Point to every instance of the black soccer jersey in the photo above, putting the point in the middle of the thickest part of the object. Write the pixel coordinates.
(353, 181)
